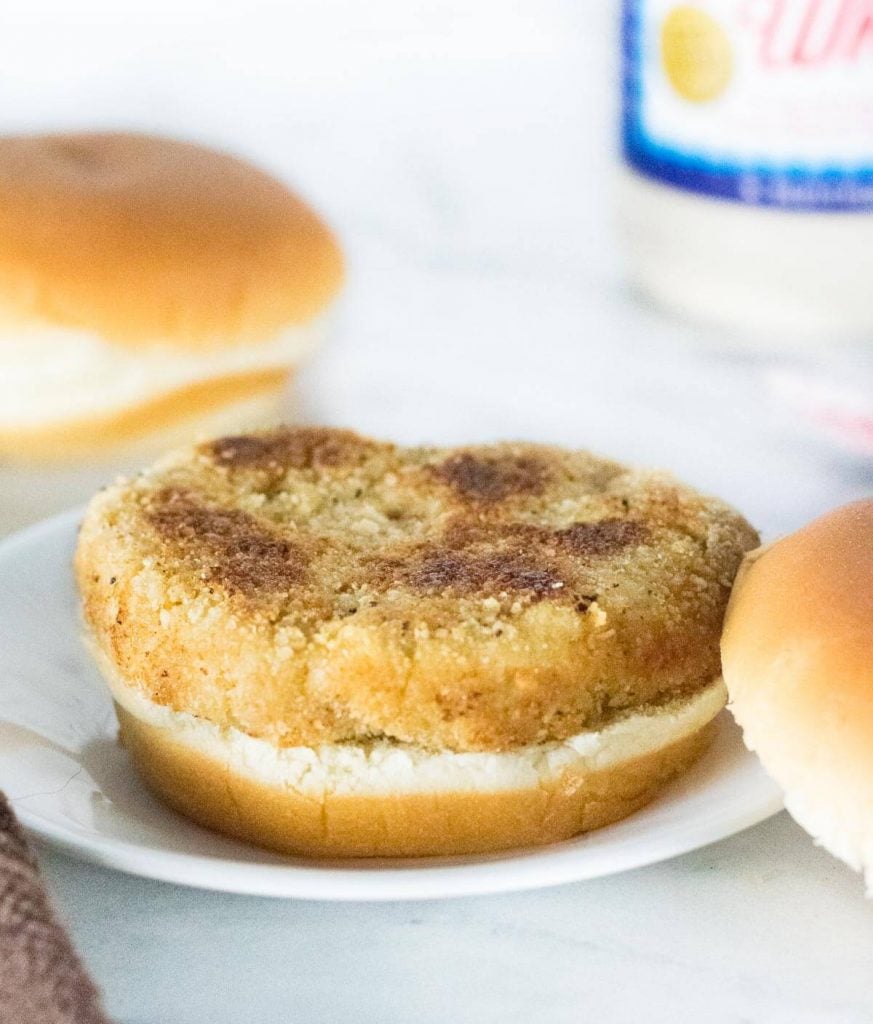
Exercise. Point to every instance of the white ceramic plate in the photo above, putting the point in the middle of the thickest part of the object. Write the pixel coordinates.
(72, 786)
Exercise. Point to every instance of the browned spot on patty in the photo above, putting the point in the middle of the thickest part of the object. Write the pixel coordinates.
(585, 540)
(492, 478)
(600, 538)
(290, 448)
(466, 572)
(524, 558)
(228, 546)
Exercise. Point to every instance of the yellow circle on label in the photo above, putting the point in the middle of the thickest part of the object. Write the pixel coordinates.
(696, 54)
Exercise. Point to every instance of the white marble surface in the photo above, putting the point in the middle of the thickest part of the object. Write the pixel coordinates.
(463, 152)
(760, 928)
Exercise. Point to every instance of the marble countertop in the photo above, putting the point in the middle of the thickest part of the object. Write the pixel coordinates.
(761, 928)
(464, 153)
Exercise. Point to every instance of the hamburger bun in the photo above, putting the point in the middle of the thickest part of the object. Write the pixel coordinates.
(147, 285)
(331, 645)
(798, 662)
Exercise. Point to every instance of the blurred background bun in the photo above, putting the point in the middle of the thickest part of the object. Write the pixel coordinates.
(149, 289)
(797, 656)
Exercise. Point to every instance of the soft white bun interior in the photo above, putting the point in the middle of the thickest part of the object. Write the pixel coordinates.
(53, 375)
(382, 768)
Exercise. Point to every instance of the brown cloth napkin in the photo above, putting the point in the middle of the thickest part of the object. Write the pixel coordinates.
(41, 978)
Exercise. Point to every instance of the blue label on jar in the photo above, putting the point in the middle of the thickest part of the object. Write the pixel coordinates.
(768, 103)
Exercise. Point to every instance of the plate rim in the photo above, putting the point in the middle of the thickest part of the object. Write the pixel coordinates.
(363, 885)
(408, 879)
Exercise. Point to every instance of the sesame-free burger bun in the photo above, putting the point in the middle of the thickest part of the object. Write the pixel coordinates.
(385, 799)
(145, 279)
(797, 656)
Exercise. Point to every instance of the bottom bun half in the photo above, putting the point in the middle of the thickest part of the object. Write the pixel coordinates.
(386, 800)
(206, 407)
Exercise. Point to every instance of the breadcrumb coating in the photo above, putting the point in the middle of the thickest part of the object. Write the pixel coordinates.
(312, 586)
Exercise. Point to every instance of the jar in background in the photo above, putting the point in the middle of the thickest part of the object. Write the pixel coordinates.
(746, 195)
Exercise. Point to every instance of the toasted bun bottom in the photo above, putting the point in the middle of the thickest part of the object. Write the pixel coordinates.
(249, 790)
(239, 400)
(31, 489)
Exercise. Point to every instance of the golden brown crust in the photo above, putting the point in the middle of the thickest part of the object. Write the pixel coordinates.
(797, 652)
(141, 238)
(402, 824)
(70, 440)
(311, 586)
